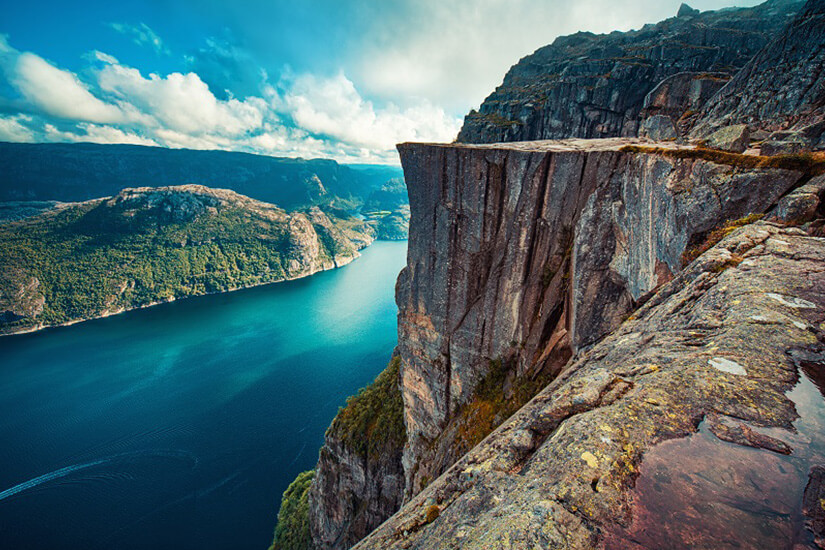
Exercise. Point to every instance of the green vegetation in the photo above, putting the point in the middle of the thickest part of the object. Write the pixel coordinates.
(372, 422)
(292, 531)
(713, 237)
(810, 164)
(149, 245)
(490, 405)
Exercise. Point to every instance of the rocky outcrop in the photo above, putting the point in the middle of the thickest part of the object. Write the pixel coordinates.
(595, 86)
(781, 88)
(630, 447)
(359, 480)
(677, 374)
(527, 253)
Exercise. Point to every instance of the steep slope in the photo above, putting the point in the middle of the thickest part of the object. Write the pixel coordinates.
(83, 171)
(147, 245)
(534, 265)
(780, 88)
(732, 354)
(523, 254)
(594, 86)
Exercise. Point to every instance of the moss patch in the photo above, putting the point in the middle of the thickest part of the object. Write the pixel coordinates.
(292, 531)
(490, 405)
(809, 163)
(713, 237)
(372, 421)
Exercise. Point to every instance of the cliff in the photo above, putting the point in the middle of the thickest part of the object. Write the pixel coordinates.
(596, 86)
(695, 425)
(147, 245)
(601, 344)
(525, 254)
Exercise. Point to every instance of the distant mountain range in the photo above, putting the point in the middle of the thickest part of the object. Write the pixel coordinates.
(82, 171)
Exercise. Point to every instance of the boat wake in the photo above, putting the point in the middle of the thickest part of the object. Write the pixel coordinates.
(68, 470)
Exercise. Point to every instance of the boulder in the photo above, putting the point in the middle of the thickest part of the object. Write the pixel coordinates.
(687, 11)
(659, 128)
(734, 138)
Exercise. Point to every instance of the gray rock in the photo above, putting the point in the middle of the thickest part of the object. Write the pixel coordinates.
(530, 252)
(734, 138)
(782, 86)
(659, 128)
(686, 11)
(594, 86)
(611, 465)
(802, 204)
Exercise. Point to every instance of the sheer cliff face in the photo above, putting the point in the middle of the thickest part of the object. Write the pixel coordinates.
(601, 458)
(594, 86)
(526, 253)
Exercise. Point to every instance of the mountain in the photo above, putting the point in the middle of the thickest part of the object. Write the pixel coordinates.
(607, 342)
(146, 245)
(593, 86)
(83, 171)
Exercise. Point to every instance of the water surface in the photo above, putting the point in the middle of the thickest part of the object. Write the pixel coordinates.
(179, 426)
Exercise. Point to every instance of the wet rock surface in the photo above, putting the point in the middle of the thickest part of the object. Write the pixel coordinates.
(814, 504)
(619, 450)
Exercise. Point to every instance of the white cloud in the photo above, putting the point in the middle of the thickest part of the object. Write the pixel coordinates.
(305, 115)
(141, 35)
(12, 129)
(181, 102)
(60, 93)
(96, 134)
(333, 107)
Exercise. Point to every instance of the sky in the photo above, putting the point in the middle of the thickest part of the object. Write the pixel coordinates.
(339, 79)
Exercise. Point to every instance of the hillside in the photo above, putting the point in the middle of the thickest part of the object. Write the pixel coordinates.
(146, 245)
(595, 86)
(82, 171)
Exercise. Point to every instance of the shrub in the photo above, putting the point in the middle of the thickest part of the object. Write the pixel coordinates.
(292, 531)
(372, 422)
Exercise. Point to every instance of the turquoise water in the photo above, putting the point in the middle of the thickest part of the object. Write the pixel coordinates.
(179, 426)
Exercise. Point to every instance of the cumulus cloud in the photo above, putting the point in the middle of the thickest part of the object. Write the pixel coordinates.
(95, 133)
(60, 93)
(181, 102)
(141, 35)
(333, 107)
(301, 115)
(12, 128)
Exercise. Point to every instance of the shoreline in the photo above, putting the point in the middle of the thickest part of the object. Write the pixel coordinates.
(335, 265)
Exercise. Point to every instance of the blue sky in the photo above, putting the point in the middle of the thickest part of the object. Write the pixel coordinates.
(343, 79)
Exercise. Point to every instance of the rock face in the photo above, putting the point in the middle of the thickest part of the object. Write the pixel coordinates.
(527, 253)
(677, 374)
(600, 458)
(781, 87)
(594, 86)
(359, 480)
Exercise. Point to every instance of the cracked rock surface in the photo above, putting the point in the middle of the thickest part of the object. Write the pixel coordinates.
(713, 387)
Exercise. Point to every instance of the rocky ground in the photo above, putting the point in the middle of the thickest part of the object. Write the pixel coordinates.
(726, 349)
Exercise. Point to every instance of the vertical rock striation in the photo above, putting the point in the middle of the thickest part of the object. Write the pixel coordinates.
(525, 253)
